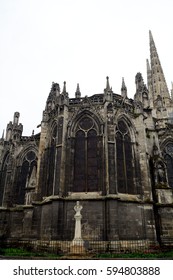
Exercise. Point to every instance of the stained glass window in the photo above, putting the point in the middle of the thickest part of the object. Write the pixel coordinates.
(85, 159)
(168, 156)
(124, 162)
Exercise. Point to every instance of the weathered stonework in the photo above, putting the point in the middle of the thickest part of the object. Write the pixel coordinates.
(112, 154)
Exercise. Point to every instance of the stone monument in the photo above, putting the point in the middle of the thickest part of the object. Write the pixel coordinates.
(77, 245)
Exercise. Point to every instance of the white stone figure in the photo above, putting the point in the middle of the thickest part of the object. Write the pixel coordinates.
(30, 187)
(78, 236)
(27, 198)
(32, 180)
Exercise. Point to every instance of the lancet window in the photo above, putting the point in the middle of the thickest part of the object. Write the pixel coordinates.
(168, 156)
(86, 167)
(3, 175)
(24, 174)
(124, 163)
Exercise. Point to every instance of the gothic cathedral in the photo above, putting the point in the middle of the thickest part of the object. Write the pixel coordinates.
(111, 153)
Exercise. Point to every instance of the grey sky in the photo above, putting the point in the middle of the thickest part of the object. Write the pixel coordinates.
(77, 41)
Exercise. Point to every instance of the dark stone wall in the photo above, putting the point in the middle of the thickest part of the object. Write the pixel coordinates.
(102, 219)
(27, 222)
(111, 208)
(4, 224)
(130, 222)
(166, 215)
(46, 222)
(16, 223)
(93, 220)
(36, 221)
(108, 219)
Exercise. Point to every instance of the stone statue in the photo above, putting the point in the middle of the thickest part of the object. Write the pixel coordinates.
(30, 187)
(160, 176)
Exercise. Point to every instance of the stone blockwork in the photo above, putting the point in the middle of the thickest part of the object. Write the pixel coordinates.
(111, 153)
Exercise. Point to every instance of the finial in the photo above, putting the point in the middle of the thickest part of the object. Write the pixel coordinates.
(78, 89)
(64, 88)
(52, 86)
(78, 93)
(3, 134)
(123, 89)
(107, 83)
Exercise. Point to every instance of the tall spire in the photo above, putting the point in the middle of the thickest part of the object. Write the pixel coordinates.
(157, 79)
(148, 74)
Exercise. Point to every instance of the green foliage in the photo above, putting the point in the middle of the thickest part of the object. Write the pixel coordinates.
(147, 255)
(23, 253)
(19, 252)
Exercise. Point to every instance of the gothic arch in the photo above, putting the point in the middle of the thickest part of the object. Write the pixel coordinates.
(130, 124)
(167, 152)
(86, 153)
(126, 164)
(26, 163)
(53, 133)
(3, 174)
(29, 147)
(75, 119)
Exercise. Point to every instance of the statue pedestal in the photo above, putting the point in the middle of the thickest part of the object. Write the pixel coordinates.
(77, 249)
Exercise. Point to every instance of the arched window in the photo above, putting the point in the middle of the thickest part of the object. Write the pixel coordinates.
(29, 162)
(125, 170)
(168, 156)
(85, 157)
(3, 174)
(50, 168)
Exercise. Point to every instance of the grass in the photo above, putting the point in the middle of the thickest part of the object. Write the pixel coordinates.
(159, 255)
(24, 253)
(19, 252)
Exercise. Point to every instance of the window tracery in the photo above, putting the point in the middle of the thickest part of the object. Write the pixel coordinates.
(85, 158)
(3, 175)
(28, 164)
(168, 157)
(124, 153)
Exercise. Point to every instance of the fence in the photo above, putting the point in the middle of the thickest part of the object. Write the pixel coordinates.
(89, 246)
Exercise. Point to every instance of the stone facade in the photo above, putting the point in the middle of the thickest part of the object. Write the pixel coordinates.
(111, 153)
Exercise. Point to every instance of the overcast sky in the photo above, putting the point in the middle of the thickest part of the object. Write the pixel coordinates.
(77, 41)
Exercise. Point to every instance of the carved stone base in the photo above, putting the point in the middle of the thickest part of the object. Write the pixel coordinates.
(77, 250)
